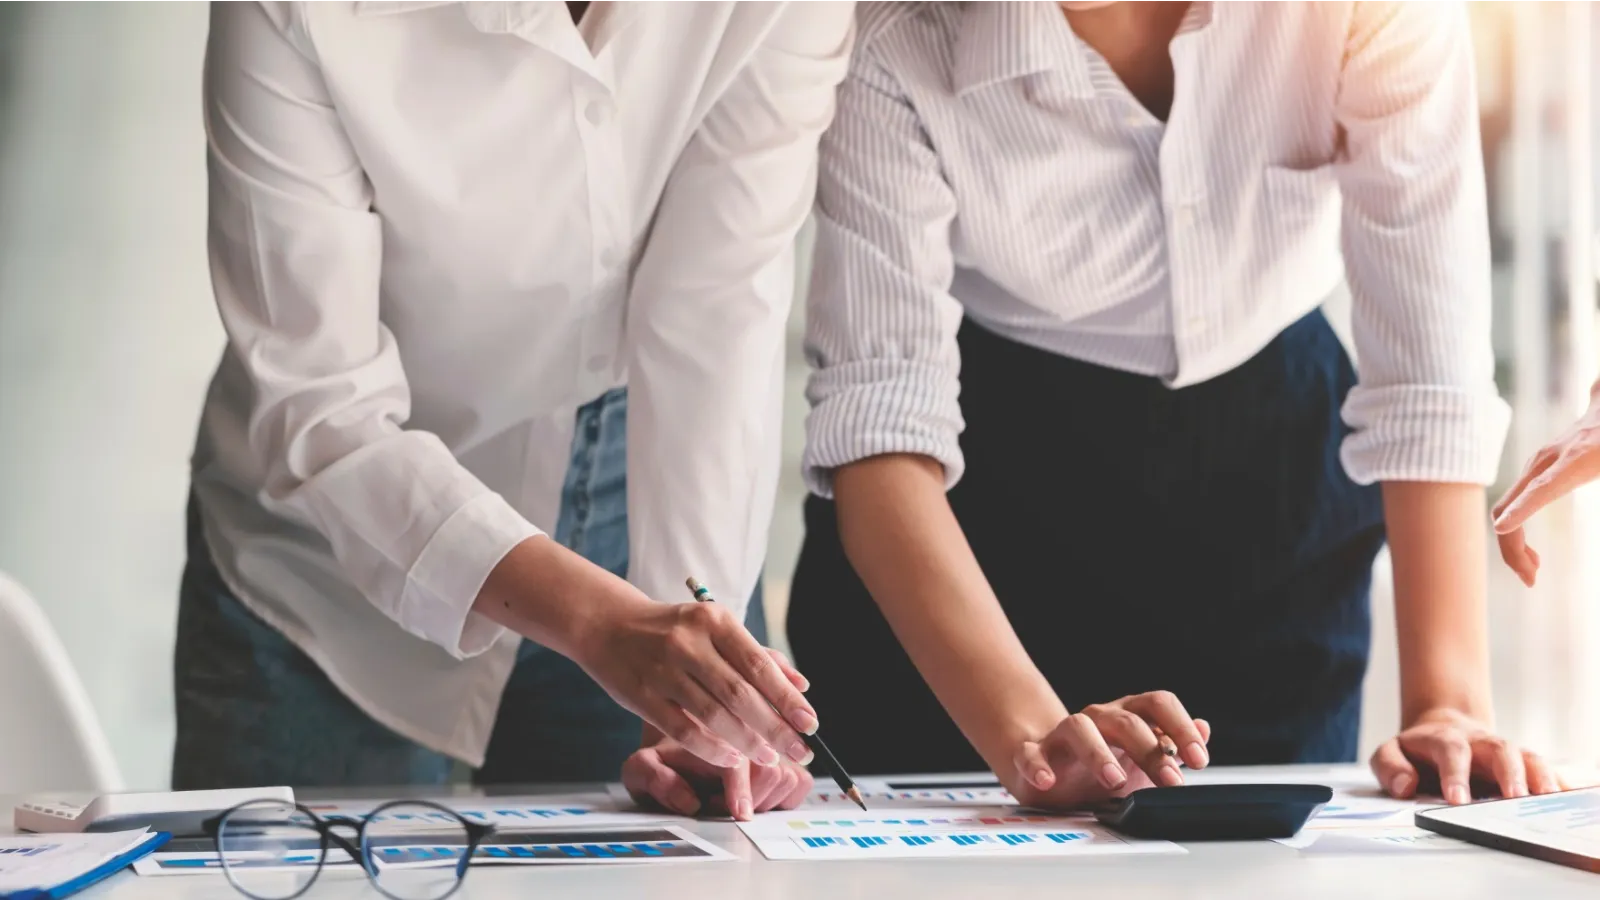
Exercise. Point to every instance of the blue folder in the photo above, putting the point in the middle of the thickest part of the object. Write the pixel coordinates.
(112, 866)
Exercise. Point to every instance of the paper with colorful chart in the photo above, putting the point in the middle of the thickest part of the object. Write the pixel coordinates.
(583, 829)
(953, 832)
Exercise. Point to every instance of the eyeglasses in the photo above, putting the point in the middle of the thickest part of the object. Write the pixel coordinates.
(409, 849)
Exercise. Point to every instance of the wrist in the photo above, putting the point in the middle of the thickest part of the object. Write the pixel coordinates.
(1421, 710)
(999, 739)
(552, 596)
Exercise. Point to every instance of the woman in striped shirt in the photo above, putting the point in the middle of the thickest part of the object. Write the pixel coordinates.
(1118, 225)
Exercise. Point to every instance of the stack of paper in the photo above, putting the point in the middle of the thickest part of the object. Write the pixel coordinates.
(40, 861)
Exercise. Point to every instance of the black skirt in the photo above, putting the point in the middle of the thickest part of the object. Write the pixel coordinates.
(1204, 540)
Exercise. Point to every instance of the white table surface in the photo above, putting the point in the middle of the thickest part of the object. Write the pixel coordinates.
(1209, 870)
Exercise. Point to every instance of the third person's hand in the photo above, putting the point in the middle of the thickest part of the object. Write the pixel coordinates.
(667, 775)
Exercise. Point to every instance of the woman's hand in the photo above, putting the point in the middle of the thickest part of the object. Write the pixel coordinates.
(692, 671)
(1567, 463)
(1451, 749)
(667, 775)
(1108, 750)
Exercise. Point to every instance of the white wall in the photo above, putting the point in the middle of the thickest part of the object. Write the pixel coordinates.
(107, 337)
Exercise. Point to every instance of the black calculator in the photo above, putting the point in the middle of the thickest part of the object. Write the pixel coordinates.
(1215, 812)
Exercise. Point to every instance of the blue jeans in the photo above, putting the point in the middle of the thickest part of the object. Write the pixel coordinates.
(253, 709)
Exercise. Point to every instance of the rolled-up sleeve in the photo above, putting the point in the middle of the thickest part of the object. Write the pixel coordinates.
(296, 254)
(1415, 240)
(707, 315)
(880, 321)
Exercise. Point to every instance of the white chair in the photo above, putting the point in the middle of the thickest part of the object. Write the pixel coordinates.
(50, 737)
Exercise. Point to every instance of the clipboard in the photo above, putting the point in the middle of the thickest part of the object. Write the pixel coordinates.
(1562, 828)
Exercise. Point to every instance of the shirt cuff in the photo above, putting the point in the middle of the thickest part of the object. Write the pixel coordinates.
(442, 585)
(865, 409)
(1424, 433)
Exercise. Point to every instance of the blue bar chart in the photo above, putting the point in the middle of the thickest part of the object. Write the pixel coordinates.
(954, 832)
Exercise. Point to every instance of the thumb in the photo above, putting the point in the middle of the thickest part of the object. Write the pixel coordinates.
(1033, 767)
(1518, 555)
(1395, 773)
(648, 777)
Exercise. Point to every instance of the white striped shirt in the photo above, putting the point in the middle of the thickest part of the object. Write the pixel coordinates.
(986, 162)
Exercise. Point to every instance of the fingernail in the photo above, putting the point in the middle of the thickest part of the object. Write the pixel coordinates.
(800, 753)
(1400, 785)
(1112, 776)
(805, 684)
(804, 720)
(744, 809)
(1197, 757)
(1456, 794)
(1041, 778)
(1518, 789)
(1169, 776)
(730, 759)
(767, 756)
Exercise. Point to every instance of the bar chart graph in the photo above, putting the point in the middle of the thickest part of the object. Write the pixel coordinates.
(952, 832)
(508, 813)
(559, 847)
(879, 799)
(1571, 810)
(665, 844)
(1009, 839)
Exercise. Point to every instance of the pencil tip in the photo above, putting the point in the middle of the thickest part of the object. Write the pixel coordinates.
(855, 794)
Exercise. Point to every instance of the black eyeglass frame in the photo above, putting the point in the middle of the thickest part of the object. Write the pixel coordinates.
(359, 851)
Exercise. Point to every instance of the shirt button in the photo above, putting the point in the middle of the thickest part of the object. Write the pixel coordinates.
(1132, 120)
(1185, 215)
(598, 364)
(1195, 323)
(596, 113)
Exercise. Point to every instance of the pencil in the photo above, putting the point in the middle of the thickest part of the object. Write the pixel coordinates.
(702, 594)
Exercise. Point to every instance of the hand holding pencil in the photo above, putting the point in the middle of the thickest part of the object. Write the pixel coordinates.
(663, 772)
(702, 594)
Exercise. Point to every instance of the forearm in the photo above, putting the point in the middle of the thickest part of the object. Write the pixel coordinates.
(1438, 546)
(903, 540)
(551, 595)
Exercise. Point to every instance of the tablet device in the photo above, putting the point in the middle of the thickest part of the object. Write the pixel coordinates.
(1560, 828)
(1215, 812)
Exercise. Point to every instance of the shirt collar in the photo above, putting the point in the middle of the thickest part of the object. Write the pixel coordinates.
(543, 24)
(1004, 41)
(504, 16)
(1200, 14)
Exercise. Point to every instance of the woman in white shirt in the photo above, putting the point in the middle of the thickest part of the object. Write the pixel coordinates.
(444, 238)
(1117, 223)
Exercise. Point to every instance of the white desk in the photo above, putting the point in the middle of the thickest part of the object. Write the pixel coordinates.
(1246, 870)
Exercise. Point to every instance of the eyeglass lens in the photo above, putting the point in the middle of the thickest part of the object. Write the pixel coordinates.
(416, 851)
(270, 850)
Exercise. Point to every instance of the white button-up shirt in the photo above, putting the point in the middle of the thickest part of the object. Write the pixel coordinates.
(987, 162)
(436, 229)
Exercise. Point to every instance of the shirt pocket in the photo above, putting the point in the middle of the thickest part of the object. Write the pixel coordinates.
(1296, 230)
